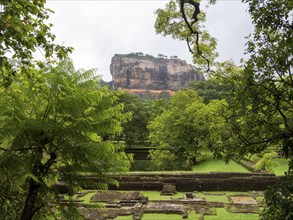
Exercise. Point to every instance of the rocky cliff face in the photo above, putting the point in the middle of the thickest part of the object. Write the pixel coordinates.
(138, 71)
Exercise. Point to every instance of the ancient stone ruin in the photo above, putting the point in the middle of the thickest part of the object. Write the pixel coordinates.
(110, 204)
(137, 73)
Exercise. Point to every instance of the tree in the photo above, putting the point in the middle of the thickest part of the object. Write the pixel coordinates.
(261, 103)
(211, 89)
(135, 130)
(183, 129)
(279, 201)
(56, 126)
(23, 30)
(219, 84)
(269, 86)
(268, 72)
(143, 110)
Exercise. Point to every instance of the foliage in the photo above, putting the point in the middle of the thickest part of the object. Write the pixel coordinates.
(220, 83)
(164, 95)
(184, 128)
(267, 76)
(55, 126)
(279, 201)
(250, 117)
(164, 160)
(210, 90)
(265, 161)
(135, 130)
(23, 30)
(261, 109)
(169, 21)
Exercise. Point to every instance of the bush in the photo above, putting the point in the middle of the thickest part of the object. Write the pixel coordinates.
(278, 200)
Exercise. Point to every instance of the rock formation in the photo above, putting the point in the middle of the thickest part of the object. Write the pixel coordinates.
(136, 71)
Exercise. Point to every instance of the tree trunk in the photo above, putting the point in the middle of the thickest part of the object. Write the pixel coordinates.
(31, 201)
(40, 171)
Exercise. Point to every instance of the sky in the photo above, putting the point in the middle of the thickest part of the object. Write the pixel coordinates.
(98, 29)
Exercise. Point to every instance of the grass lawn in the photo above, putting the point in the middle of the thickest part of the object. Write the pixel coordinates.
(282, 167)
(127, 217)
(161, 217)
(222, 214)
(212, 198)
(209, 164)
(205, 165)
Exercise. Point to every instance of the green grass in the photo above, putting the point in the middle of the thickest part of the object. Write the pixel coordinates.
(127, 217)
(212, 198)
(222, 214)
(191, 216)
(209, 164)
(282, 167)
(161, 217)
(232, 193)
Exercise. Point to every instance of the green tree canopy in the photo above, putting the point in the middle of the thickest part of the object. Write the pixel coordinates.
(261, 107)
(55, 126)
(23, 30)
(183, 130)
(135, 130)
(268, 93)
(220, 83)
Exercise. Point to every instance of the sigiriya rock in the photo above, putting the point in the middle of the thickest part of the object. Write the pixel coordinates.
(138, 73)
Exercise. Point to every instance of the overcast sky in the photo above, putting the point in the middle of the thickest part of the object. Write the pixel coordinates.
(99, 29)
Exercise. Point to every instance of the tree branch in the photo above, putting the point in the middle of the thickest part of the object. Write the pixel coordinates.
(24, 149)
(192, 31)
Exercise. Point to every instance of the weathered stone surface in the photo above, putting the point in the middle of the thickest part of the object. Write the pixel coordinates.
(243, 200)
(108, 196)
(163, 207)
(168, 189)
(198, 182)
(242, 208)
(103, 214)
(206, 210)
(140, 73)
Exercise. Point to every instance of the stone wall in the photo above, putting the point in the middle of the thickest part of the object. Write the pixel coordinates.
(198, 182)
(190, 182)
